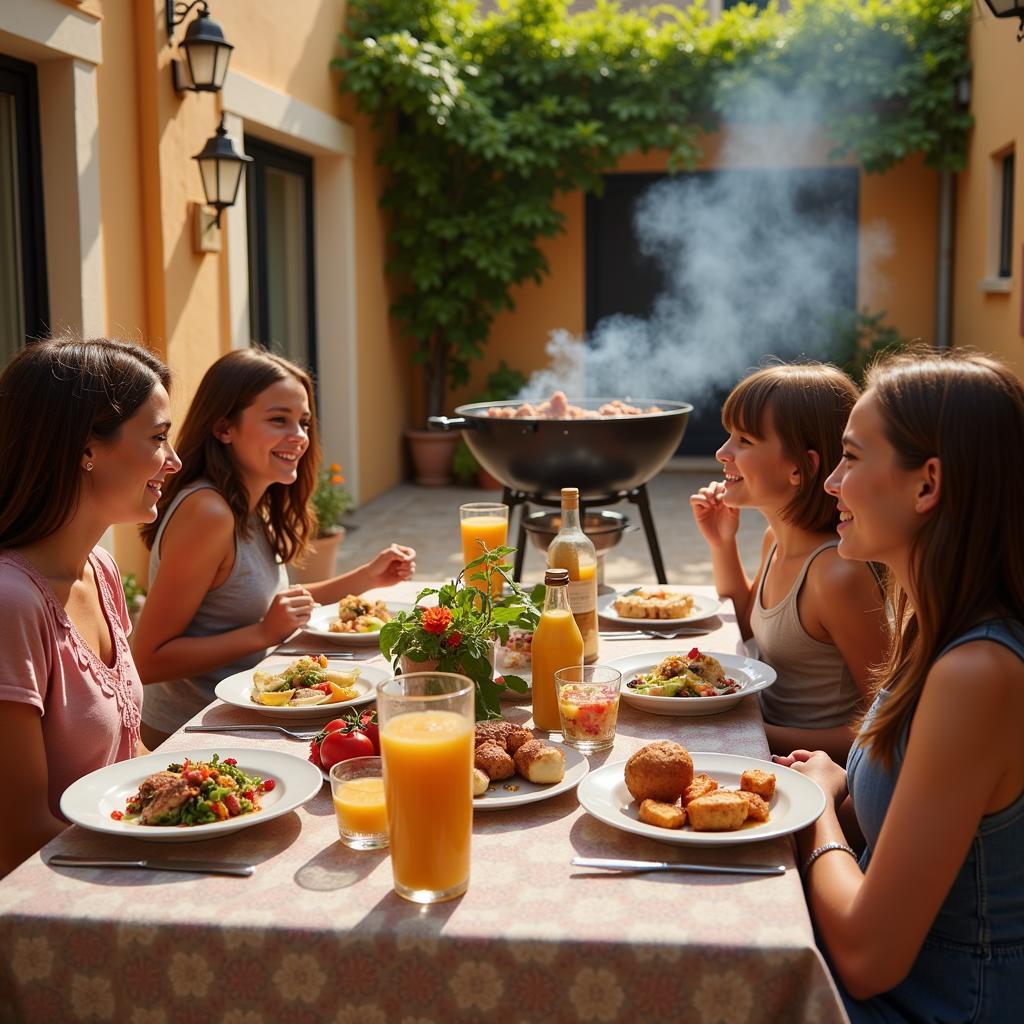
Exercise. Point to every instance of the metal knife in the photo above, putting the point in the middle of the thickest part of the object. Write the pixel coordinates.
(197, 867)
(658, 865)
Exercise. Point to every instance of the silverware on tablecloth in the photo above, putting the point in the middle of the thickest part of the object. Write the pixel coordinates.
(195, 867)
(651, 634)
(658, 865)
(300, 651)
(304, 734)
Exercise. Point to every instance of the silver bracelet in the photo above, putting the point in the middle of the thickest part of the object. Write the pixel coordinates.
(824, 848)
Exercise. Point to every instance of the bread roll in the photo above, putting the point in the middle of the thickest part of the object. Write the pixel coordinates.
(494, 761)
(480, 782)
(539, 762)
(507, 735)
(659, 771)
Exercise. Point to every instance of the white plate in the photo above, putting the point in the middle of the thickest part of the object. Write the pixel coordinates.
(703, 608)
(236, 690)
(576, 768)
(750, 674)
(322, 617)
(797, 802)
(89, 801)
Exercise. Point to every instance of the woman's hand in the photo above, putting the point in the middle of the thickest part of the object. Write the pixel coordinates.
(817, 765)
(394, 564)
(716, 521)
(289, 611)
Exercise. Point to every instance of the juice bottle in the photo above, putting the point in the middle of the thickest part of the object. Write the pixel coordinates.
(557, 643)
(572, 549)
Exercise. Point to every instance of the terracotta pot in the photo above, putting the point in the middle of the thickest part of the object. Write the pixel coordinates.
(488, 482)
(432, 453)
(407, 665)
(319, 561)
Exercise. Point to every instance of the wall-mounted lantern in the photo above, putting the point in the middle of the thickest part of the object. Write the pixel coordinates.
(1009, 9)
(207, 52)
(221, 167)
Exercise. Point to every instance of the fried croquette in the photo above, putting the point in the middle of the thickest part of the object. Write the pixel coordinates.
(494, 761)
(719, 811)
(480, 782)
(659, 771)
(757, 806)
(754, 780)
(539, 762)
(702, 785)
(662, 815)
(507, 735)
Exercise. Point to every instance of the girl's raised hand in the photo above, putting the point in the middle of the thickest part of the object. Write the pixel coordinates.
(716, 521)
(395, 563)
(289, 611)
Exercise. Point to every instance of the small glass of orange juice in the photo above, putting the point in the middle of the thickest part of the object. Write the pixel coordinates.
(485, 521)
(426, 742)
(357, 786)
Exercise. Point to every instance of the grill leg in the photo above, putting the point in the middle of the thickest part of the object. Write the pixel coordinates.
(514, 499)
(640, 499)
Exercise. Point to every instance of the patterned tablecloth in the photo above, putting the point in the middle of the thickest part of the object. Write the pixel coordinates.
(316, 934)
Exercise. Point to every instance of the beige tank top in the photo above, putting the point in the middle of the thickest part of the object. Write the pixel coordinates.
(814, 688)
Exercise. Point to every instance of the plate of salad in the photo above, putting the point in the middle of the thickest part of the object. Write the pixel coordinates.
(183, 796)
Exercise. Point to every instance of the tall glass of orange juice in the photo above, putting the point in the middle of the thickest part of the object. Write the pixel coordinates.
(426, 742)
(485, 521)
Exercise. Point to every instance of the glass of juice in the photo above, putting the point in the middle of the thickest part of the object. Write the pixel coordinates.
(485, 521)
(357, 786)
(588, 705)
(427, 724)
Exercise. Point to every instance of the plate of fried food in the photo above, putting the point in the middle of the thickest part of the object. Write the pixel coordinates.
(666, 793)
(656, 607)
(512, 768)
(353, 620)
(691, 683)
(310, 687)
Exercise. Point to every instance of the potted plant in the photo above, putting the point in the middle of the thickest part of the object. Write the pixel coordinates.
(459, 633)
(134, 595)
(329, 502)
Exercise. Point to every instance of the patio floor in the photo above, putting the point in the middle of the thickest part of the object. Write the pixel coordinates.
(426, 518)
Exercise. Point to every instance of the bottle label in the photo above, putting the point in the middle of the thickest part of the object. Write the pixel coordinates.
(582, 596)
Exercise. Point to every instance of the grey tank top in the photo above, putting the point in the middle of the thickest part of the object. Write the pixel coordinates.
(814, 688)
(242, 599)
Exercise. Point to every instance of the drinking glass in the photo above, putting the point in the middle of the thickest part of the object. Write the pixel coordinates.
(357, 786)
(588, 705)
(485, 521)
(426, 741)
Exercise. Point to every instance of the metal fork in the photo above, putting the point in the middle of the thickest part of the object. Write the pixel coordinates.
(643, 634)
(290, 733)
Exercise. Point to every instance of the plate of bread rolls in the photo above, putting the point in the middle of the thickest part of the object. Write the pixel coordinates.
(512, 767)
(657, 607)
(665, 793)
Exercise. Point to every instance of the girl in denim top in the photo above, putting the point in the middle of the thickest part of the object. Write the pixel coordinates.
(927, 924)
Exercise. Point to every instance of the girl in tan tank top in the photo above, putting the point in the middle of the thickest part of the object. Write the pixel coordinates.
(817, 619)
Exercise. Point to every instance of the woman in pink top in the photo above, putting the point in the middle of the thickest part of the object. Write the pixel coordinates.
(83, 446)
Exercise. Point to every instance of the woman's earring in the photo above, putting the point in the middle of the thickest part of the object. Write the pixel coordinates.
(88, 467)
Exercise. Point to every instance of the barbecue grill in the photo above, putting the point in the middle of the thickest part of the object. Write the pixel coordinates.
(609, 459)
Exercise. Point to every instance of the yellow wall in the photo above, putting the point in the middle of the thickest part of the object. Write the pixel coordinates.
(990, 320)
(904, 201)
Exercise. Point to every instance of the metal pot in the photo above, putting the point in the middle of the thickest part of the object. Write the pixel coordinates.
(605, 528)
(599, 456)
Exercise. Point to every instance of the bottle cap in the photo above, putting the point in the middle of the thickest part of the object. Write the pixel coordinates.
(556, 577)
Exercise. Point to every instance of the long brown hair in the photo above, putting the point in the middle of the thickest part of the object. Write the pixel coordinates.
(807, 405)
(56, 396)
(229, 386)
(967, 558)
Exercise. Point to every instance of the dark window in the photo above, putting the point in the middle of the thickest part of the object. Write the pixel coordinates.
(282, 295)
(24, 299)
(1006, 218)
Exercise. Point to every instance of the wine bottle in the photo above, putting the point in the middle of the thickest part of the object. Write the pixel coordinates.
(572, 549)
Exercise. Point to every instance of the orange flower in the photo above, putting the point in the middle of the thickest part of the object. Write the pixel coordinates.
(436, 620)
(337, 479)
(335, 468)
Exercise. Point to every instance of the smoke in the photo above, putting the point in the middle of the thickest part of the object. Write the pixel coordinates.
(758, 258)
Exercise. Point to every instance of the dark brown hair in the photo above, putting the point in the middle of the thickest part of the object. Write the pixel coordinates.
(967, 558)
(229, 386)
(55, 396)
(807, 405)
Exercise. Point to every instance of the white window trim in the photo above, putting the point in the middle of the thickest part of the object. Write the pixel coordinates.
(993, 280)
(253, 107)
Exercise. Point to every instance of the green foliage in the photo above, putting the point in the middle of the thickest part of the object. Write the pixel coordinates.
(329, 500)
(134, 591)
(458, 635)
(486, 117)
(502, 382)
(861, 337)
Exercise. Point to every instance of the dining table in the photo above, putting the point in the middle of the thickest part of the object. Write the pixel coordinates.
(317, 933)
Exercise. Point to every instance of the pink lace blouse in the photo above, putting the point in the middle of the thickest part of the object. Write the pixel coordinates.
(90, 712)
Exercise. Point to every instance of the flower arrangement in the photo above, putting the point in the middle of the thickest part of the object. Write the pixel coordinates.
(459, 633)
(330, 501)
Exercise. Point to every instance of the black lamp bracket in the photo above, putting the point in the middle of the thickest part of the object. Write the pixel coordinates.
(176, 11)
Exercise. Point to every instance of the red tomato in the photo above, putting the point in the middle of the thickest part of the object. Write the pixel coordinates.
(341, 746)
(372, 733)
(335, 725)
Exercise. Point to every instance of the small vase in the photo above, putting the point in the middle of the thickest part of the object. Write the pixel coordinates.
(319, 561)
(432, 452)
(407, 666)
(487, 481)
